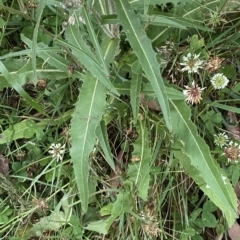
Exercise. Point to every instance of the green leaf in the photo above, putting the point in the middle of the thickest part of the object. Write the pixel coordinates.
(176, 21)
(23, 129)
(2, 23)
(135, 94)
(196, 158)
(226, 107)
(141, 45)
(3, 219)
(94, 40)
(160, 21)
(188, 232)
(101, 133)
(50, 55)
(209, 219)
(109, 47)
(235, 176)
(51, 222)
(196, 44)
(22, 70)
(39, 13)
(100, 226)
(228, 71)
(195, 214)
(123, 204)
(138, 171)
(210, 119)
(209, 207)
(56, 219)
(86, 117)
(85, 56)
(15, 85)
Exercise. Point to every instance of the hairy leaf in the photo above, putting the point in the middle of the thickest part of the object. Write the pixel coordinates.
(142, 47)
(197, 161)
(84, 56)
(86, 117)
(102, 135)
(94, 40)
(135, 94)
(14, 83)
(138, 171)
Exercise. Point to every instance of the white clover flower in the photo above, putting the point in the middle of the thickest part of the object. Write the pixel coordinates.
(193, 93)
(57, 151)
(221, 139)
(191, 63)
(219, 81)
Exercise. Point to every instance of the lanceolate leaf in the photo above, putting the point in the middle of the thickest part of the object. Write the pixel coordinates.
(135, 94)
(84, 56)
(14, 83)
(101, 133)
(141, 45)
(94, 39)
(138, 171)
(85, 119)
(109, 47)
(197, 161)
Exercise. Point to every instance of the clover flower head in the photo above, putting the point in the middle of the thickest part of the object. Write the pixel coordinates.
(57, 151)
(221, 139)
(192, 63)
(219, 81)
(214, 63)
(193, 93)
(232, 151)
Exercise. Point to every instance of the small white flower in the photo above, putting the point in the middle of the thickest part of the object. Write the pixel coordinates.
(191, 63)
(219, 81)
(221, 139)
(57, 151)
(207, 186)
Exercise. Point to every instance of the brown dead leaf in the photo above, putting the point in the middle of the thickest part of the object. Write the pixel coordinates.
(4, 168)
